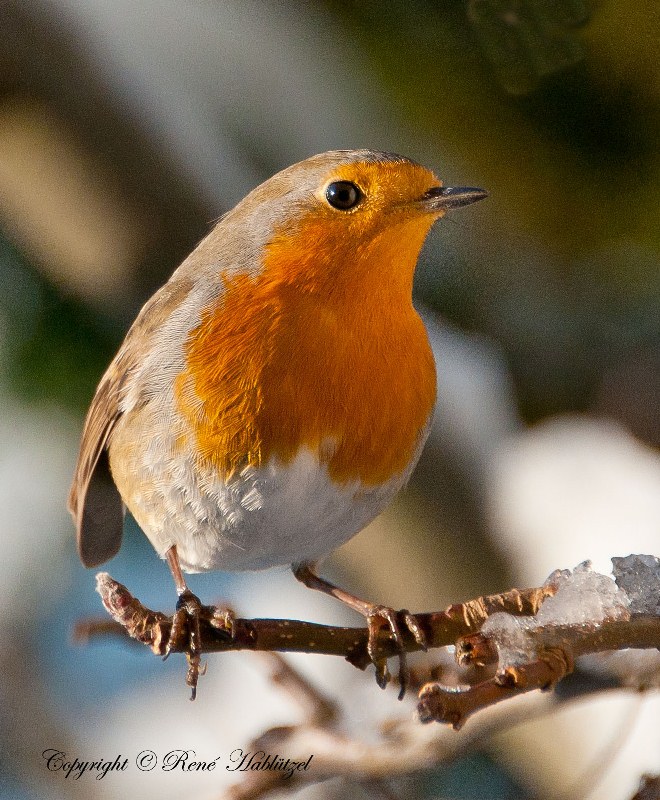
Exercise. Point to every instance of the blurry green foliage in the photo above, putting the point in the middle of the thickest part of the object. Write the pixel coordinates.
(57, 347)
(526, 40)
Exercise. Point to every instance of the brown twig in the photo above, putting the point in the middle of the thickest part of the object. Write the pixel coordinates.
(552, 663)
(316, 707)
(649, 788)
(441, 628)
(404, 746)
(401, 749)
(550, 655)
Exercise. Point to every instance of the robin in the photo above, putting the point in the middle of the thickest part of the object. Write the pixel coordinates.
(274, 395)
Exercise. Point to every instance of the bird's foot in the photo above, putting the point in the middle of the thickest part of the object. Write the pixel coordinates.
(185, 634)
(380, 617)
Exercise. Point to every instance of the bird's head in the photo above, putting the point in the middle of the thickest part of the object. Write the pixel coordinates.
(344, 217)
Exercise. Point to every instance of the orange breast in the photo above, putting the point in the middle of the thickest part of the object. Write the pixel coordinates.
(314, 353)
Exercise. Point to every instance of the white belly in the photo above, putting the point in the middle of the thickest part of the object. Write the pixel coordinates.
(273, 515)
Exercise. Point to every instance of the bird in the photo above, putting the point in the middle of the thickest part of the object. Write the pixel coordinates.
(274, 395)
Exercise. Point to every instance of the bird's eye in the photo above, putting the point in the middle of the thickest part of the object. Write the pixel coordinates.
(343, 195)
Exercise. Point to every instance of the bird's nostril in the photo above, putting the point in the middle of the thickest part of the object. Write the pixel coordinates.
(434, 191)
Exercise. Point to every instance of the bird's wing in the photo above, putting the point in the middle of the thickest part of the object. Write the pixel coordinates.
(94, 500)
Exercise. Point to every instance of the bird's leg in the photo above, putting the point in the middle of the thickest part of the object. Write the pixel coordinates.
(185, 622)
(185, 633)
(377, 617)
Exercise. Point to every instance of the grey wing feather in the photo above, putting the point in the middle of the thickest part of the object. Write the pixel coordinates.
(94, 500)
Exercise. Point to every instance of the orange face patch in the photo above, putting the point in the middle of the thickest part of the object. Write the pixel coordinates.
(322, 349)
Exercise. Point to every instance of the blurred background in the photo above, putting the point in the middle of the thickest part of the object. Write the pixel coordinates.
(126, 129)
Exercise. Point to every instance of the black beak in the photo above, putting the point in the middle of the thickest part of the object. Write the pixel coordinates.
(446, 198)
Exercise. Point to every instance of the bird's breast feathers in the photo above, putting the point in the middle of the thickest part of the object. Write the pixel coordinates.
(271, 371)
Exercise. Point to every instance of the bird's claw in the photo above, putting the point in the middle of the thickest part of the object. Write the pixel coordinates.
(185, 635)
(412, 624)
(377, 619)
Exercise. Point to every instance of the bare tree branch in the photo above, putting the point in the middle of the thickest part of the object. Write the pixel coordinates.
(441, 628)
(401, 749)
(529, 639)
(649, 788)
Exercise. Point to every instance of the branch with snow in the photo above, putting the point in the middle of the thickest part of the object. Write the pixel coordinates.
(586, 613)
(527, 639)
